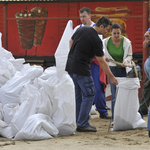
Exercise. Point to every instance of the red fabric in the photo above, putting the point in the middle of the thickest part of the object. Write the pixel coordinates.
(102, 75)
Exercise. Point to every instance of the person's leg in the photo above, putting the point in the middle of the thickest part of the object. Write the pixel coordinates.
(99, 100)
(78, 96)
(113, 97)
(144, 103)
(148, 122)
(85, 86)
(88, 93)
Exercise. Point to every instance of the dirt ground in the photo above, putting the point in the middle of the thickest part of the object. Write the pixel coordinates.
(103, 139)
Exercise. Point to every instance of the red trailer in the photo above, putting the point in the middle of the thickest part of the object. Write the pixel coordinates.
(24, 21)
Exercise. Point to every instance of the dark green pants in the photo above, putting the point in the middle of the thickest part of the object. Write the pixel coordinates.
(144, 103)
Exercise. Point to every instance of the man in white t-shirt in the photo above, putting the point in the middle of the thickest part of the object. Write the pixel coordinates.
(96, 71)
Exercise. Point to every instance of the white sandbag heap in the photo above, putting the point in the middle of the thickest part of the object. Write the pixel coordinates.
(126, 115)
(36, 104)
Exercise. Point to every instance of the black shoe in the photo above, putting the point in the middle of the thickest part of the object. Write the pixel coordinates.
(92, 127)
(86, 129)
(106, 116)
(149, 133)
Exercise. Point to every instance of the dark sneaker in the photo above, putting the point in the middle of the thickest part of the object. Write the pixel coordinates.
(92, 127)
(106, 116)
(149, 133)
(86, 129)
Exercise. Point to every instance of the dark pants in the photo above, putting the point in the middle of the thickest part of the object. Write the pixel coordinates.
(144, 103)
(99, 100)
(85, 93)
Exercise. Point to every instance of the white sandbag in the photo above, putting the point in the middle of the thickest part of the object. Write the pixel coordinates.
(64, 117)
(45, 101)
(6, 68)
(49, 86)
(9, 93)
(9, 110)
(93, 110)
(62, 51)
(5, 130)
(37, 127)
(1, 112)
(17, 63)
(126, 115)
(3, 80)
(48, 72)
(29, 106)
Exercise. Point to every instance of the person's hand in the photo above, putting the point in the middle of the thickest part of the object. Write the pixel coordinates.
(114, 80)
(106, 59)
(124, 64)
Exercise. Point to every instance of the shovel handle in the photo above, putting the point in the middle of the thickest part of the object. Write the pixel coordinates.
(118, 63)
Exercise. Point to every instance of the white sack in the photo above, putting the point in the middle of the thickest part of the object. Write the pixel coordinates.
(62, 51)
(48, 72)
(93, 110)
(9, 110)
(5, 130)
(1, 112)
(9, 93)
(17, 63)
(126, 115)
(37, 127)
(30, 105)
(64, 117)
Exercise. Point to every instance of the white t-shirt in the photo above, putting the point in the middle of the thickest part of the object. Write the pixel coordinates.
(81, 25)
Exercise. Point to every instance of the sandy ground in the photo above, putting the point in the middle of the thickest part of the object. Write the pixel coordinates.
(113, 140)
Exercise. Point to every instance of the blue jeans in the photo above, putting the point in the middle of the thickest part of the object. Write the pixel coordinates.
(99, 100)
(148, 123)
(147, 71)
(85, 93)
(117, 72)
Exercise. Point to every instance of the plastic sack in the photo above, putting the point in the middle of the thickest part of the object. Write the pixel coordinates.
(5, 130)
(9, 93)
(64, 117)
(30, 105)
(9, 110)
(126, 115)
(1, 112)
(93, 110)
(62, 51)
(37, 127)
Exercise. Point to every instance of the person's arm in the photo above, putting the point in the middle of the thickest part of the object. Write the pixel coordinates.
(106, 69)
(70, 43)
(146, 42)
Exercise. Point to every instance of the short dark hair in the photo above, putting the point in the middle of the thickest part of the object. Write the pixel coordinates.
(115, 26)
(103, 21)
(85, 9)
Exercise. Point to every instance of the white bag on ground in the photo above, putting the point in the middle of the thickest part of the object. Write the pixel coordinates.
(1, 112)
(37, 127)
(5, 130)
(29, 106)
(93, 110)
(9, 110)
(64, 117)
(9, 93)
(126, 115)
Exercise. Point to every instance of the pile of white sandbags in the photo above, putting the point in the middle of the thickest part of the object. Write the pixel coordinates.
(35, 103)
